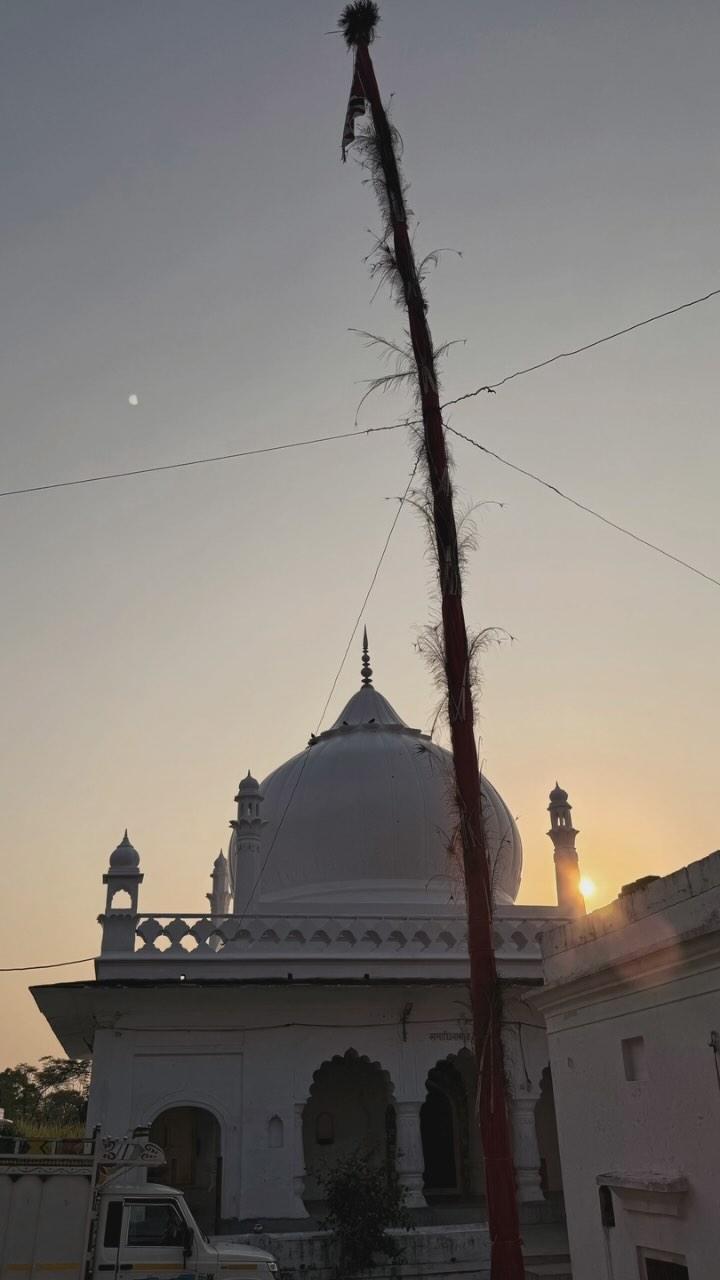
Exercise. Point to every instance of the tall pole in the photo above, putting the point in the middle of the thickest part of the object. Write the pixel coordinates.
(358, 23)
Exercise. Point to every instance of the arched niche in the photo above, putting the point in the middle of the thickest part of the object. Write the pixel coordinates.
(350, 1109)
(191, 1139)
(452, 1153)
(276, 1132)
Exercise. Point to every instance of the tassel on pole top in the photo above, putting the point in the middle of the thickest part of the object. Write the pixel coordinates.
(358, 22)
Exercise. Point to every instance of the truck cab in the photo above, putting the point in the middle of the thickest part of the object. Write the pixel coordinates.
(149, 1233)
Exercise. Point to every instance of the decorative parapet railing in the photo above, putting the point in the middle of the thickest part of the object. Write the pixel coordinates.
(344, 940)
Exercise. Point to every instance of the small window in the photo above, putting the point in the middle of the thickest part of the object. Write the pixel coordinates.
(113, 1223)
(154, 1223)
(658, 1269)
(663, 1266)
(633, 1052)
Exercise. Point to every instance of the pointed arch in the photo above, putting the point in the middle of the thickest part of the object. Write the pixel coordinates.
(350, 1108)
(453, 1166)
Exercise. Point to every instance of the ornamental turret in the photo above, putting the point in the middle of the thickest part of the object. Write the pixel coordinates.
(123, 879)
(220, 896)
(245, 846)
(567, 865)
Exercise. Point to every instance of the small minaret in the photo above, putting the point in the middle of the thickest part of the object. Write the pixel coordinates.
(248, 828)
(567, 866)
(122, 876)
(220, 896)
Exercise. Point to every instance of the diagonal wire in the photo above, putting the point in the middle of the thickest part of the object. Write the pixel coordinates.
(629, 533)
(490, 387)
(201, 462)
(306, 755)
(373, 580)
(588, 346)
(61, 964)
(401, 503)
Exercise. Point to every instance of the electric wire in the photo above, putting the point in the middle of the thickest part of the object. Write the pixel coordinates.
(401, 503)
(588, 346)
(373, 580)
(575, 502)
(306, 756)
(60, 964)
(296, 444)
(345, 435)
(201, 462)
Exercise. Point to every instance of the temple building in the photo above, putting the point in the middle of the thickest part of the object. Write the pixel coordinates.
(320, 1004)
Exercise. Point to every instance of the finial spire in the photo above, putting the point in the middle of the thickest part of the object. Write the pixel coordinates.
(366, 669)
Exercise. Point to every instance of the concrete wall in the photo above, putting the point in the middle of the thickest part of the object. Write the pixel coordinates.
(645, 972)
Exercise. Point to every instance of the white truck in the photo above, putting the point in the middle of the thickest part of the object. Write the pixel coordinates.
(79, 1210)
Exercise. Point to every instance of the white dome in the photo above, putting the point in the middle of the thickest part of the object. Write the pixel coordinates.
(364, 817)
(124, 857)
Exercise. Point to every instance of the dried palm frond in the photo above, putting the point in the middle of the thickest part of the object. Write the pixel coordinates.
(358, 22)
(430, 645)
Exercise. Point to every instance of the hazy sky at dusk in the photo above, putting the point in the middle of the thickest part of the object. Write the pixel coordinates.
(176, 223)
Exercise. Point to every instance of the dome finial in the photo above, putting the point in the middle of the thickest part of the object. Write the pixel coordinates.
(366, 669)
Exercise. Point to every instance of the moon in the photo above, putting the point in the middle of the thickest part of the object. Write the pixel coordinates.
(133, 400)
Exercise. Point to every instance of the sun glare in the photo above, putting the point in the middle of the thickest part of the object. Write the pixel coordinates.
(587, 887)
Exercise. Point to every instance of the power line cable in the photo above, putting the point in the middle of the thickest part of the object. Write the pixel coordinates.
(306, 756)
(629, 533)
(200, 462)
(401, 502)
(346, 435)
(373, 580)
(61, 964)
(588, 346)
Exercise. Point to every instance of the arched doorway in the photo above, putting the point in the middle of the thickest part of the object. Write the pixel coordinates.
(451, 1148)
(190, 1138)
(350, 1110)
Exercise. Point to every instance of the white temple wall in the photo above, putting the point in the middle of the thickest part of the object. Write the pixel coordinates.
(653, 1127)
(632, 1007)
(257, 1082)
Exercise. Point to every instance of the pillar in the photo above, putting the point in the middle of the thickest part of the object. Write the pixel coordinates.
(526, 1153)
(523, 1073)
(410, 1161)
(299, 1161)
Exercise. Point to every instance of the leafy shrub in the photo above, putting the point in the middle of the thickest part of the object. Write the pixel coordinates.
(362, 1200)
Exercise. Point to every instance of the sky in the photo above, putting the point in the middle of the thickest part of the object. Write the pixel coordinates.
(177, 225)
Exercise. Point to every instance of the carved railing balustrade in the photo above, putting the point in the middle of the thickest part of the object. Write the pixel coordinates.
(191, 937)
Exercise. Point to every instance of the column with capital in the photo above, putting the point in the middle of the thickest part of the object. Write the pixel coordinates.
(410, 1161)
(524, 1095)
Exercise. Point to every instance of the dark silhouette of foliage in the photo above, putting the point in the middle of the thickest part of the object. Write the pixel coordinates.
(54, 1093)
(358, 22)
(363, 1200)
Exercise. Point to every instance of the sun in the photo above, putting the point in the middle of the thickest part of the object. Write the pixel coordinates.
(588, 887)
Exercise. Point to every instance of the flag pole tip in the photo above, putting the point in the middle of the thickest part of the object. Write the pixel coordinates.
(358, 22)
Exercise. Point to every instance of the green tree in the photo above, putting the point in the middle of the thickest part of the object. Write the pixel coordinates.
(363, 1199)
(54, 1093)
(20, 1095)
